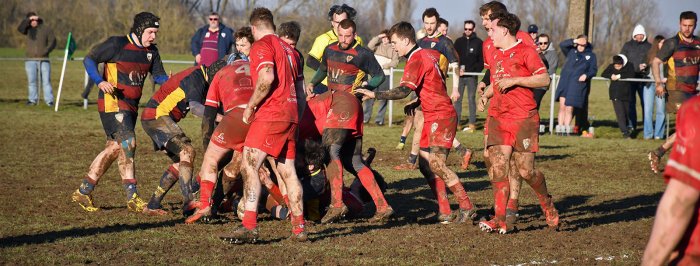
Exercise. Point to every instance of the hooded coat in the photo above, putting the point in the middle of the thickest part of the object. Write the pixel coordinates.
(636, 52)
(577, 63)
(619, 90)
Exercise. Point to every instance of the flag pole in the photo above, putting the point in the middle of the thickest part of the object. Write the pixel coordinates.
(63, 71)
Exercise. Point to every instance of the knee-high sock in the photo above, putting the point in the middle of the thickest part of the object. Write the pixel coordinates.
(167, 181)
(501, 192)
(462, 197)
(437, 185)
(335, 176)
(206, 189)
(367, 179)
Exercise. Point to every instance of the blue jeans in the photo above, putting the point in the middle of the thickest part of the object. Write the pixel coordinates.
(368, 104)
(31, 67)
(651, 130)
(468, 82)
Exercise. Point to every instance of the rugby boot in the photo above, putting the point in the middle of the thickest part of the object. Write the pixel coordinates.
(446, 218)
(405, 166)
(201, 215)
(494, 225)
(136, 204)
(241, 235)
(371, 152)
(188, 208)
(400, 146)
(382, 217)
(334, 213)
(154, 212)
(511, 218)
(466, 159)
(550, 212)
(464, 216)
(654, 160)
(85, 201)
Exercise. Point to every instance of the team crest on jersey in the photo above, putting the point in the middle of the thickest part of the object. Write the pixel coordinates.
(432, 45)
(526, 143)
(499, 67)
(348, 58)
(149, 56)
(433, 127)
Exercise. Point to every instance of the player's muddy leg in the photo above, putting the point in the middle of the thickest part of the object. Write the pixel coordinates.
(167, 181)
(333, 140)
(437, 185)
(499, 157)
(525, 162)
(367, 178)
(296, 195)
(515, 183)
(252, 159)
(208, 174)
(437, 158)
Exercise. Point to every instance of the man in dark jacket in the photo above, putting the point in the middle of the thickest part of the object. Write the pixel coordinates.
(470, 60)
(636, 51)
(40, 42)
(212, 42)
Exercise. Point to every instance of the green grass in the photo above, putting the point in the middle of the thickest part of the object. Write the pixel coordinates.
(605, 193)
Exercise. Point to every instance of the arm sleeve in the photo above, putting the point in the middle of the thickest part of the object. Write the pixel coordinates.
(23, 26)
(208, 124)
(553, 64)
(373, 43)
(50, 42)
(157, 70)
(487, 77)
(196, 43)
(450, 51)
(566, 46)
(372, 67)
(479, 58)
(212, 98)
(318, 48)
(627, 72)
(318, 76)
(92, 71)
(101, 53)
(666, 50)
(412, 75)
(592, 67)
(313, 63)
(195, 87)
(375, 81)
(607, 73)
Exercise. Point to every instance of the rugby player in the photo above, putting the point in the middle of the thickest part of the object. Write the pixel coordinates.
(513, 119)
(423, 75)
(183, 92)
(127, 61)
(272, 115)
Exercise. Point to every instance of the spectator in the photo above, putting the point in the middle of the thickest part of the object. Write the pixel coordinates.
(471, 59)
(532, 30)
(387, 58)
(654, 97)
(212, 42)
(636, 51)
(40, 42)
(619, 91)
(551, 61)
(575, 83)
(443, 25)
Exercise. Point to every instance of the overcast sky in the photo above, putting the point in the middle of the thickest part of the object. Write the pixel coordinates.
(456, 11)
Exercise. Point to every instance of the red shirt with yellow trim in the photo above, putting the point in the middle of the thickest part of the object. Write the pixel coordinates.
(684, 166)
(281, 102)
(422, 74)
(518, 61)
(232, 86)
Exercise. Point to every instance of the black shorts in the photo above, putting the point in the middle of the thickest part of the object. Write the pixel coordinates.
(120, 125)
(163, 131)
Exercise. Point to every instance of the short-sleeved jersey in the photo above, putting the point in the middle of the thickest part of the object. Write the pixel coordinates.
(174, 95)
(332, 109)
(320, 44)
(488, 48)
(683, 60)
(126, 67)
(518, 61)
(281, 102)
(684, 166)
(347, 68)
(423, 75)
(232, 86)
(442, 44)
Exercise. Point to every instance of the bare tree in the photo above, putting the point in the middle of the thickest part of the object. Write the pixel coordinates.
(613, 29)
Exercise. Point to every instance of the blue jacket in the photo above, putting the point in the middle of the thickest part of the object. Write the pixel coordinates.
(577, 64)
(226, 45)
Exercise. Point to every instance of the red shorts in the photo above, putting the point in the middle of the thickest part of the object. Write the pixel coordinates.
(486, 126)
(438, 133)
(346, 116)
(231, 132)
(276, 138)
(521, 134)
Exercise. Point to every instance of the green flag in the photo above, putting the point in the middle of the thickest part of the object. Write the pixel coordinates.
(70, 45)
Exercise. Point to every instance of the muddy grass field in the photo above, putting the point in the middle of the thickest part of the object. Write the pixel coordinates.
(602, 187)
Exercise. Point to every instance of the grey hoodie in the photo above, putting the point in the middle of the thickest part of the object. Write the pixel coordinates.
(552, 59)
(637, 52)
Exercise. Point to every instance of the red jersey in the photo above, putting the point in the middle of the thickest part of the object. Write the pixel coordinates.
(488, 49)
(684, 166)
(518, 61)
(232, 86)
(281, 102)
(423, 75)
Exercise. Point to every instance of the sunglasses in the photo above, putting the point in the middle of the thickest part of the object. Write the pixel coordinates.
(213, 19)
(34, 20)
(468, 29)
(544, 43)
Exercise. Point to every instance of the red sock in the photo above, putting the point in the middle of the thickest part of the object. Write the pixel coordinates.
(440, 192)
(276, 194)
(336, 178)
(501, 191)
(205, 190)
(512, 204)
(286, 199)
(173, 171)
(298, 224)
(461, 195)
(367, 179)
(250, 220)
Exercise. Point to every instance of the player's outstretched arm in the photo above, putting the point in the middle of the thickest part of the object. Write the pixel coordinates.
(393, 94)
(672, 218)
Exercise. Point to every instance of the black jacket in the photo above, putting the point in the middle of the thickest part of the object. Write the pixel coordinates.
(619, 90)
(637, 52)
(469, 51)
